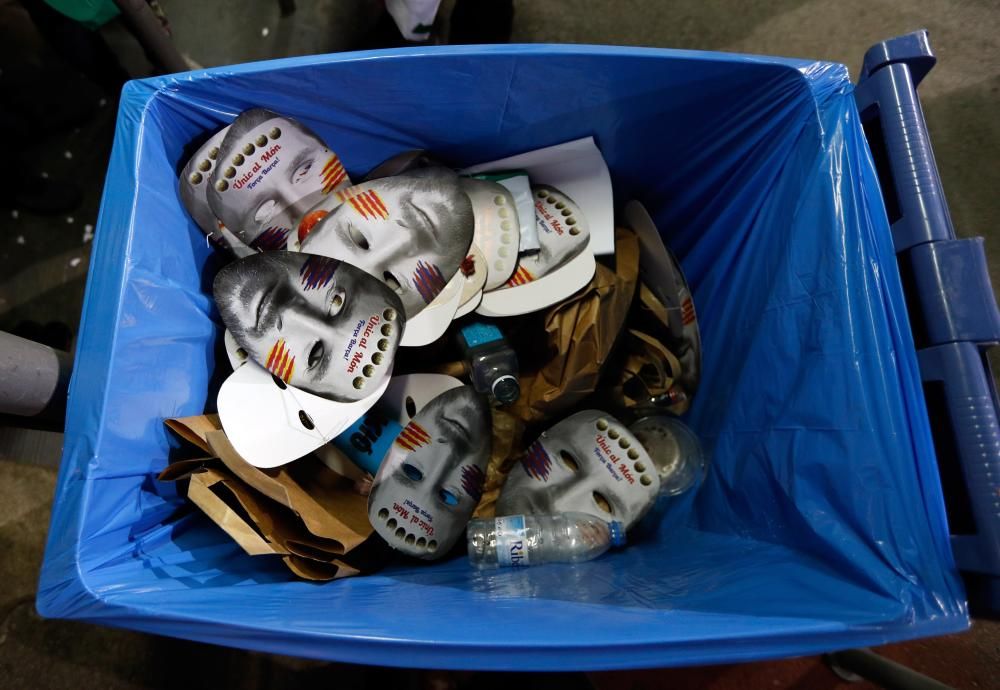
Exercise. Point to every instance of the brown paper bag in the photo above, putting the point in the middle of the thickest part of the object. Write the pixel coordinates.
(303, 512)
(508, 445)
(215, 494)
(580, 334)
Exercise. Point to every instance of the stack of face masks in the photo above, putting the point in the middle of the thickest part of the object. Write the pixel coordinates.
(330, 278)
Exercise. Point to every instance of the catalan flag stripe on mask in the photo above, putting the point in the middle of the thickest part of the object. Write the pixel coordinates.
(413, 436)
(280, 361)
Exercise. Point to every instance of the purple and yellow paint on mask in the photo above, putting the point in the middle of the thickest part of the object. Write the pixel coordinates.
(428, 281)
(317, 272)
(273, 239)
(537, 462)
(473, 479)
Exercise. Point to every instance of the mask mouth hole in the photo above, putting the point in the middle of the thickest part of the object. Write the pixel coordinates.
(411, 407)
(412, 472)
(603, 503)
(568, 461)
(447, 497)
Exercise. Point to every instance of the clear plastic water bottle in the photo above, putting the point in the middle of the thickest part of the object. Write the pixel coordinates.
(521, 540)
(492, 362)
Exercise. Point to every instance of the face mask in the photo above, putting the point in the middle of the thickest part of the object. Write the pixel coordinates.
(411, 231)
(271, 423)
(496, 234)
(432, 477)
(315, 323)
(270, 172)
(563, 265)
(194, 183)
(474, 270)
(589, 463)
(577, 169)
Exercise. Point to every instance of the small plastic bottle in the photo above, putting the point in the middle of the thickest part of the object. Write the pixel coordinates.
(521, 540)
(492, 362)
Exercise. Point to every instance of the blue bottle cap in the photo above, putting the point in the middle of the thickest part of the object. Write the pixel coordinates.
(617, 533)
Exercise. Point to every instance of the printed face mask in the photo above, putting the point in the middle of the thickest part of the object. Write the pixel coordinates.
(563, 265)
(318, 324)
(194, 183)
(590, 463)
(432, 477)
(271, 423)
(563, 234)
(270, 171)
(497, 233)
(411, 231)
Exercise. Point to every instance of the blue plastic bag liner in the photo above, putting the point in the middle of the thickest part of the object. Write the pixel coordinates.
(821, 524)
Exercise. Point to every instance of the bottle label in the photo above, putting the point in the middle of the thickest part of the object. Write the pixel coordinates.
(512, 548)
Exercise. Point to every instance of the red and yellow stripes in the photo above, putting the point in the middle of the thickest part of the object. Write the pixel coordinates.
(367, 203)
(333, 174)
(280, 361)
(520, 277)
(413, 436)
(687, 311)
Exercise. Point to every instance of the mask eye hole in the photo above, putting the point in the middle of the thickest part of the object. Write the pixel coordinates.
(360, 241)
(411, 407)
(302, 171)
(278, 382)
(316, 354)
(603, 503)
(265, 211)
(568, 461)
(306, 420)
(447, 497)
(413, 472)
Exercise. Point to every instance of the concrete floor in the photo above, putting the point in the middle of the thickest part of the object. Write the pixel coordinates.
(43, 264)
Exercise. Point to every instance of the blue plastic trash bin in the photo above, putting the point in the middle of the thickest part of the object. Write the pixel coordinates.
(821, 525)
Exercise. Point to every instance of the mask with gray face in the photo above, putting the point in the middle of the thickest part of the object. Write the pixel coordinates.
(193, 185)
(589, 463)
(432, 478)
(270, 173)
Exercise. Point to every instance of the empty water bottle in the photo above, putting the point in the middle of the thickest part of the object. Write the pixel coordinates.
(520, 540)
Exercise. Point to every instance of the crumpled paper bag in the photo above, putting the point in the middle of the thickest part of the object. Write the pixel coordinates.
(304, 512)
(508, 445)
(580, 334)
